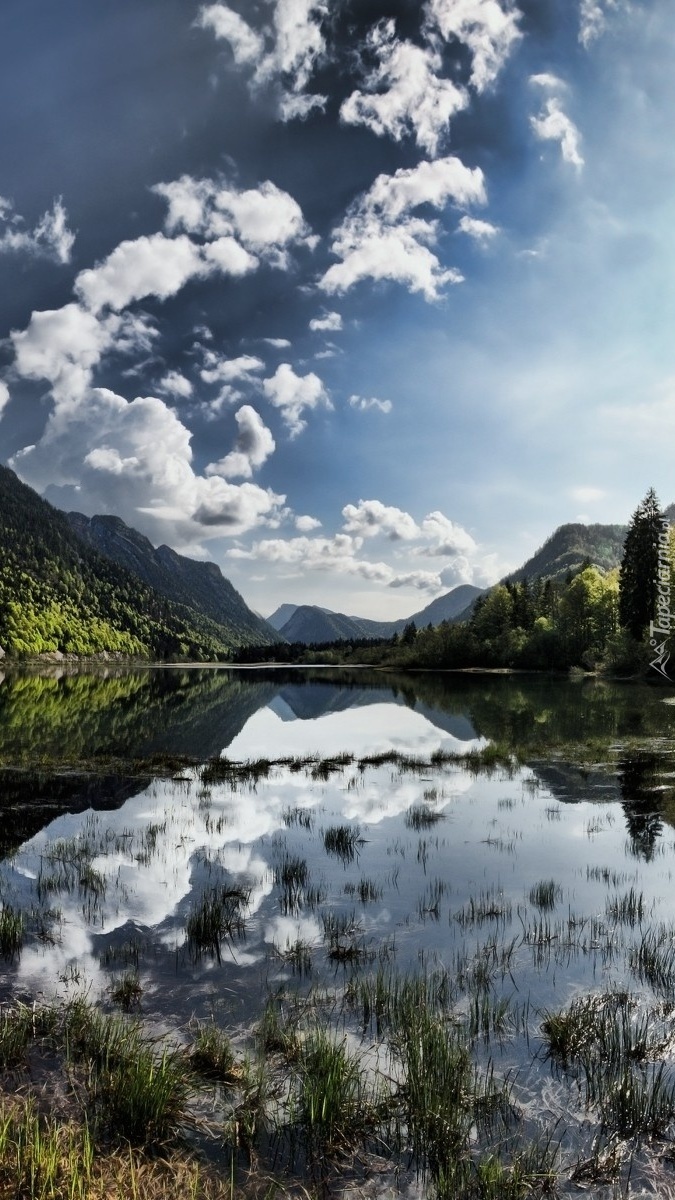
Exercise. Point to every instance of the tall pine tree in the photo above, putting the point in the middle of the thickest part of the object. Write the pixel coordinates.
(638, 577)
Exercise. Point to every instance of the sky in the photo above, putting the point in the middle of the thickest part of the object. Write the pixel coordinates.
(360, 299)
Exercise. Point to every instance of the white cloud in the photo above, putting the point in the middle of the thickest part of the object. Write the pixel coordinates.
(552, 124)
(448, 538)
(295, 394)
(331, 322)
(427, 581)
(363, 403)
(278, 343)
(148, 266)
(284, 55)
(487, 28)
(306, 524)
(338, 554)
(247, 45)
(546, 80)
(397, 253)
(253, 447)
(404, 93)
(217, 369)
(64, 345)
(369, 518)
(379, 239)
(593, 19)
(447, 180)
(174, 383)
(4, 396)
(51, 238)
(265, 220)
(586, 495)
(133, 458)
(480, 231)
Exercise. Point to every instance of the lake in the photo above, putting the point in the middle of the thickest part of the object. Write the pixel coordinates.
(239, 844)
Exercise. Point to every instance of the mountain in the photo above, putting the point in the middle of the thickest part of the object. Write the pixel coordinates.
(448, 607)
(312, 625)
(199, 586)
(59, 594)
(570, 547)
(281, 615)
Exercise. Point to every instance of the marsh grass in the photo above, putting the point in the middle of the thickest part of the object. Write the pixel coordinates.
(367, 890)
(422, 816)
(220, 914)
(488, 906)
(11, 932)
(292, 878)
(652, 960)
(545, 895)
(628, 909)
(343, 841)
(334, 1105)
(211, 1054)
(127, 991)
(298, 955)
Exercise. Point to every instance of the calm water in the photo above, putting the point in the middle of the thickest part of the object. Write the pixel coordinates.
(444, 859)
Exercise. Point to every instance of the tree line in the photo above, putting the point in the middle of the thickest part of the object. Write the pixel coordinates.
(592, 620)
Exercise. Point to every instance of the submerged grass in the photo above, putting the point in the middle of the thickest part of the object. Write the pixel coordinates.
(343, 841)
(220, 914)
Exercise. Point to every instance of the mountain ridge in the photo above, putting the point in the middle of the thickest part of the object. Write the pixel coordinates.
(197, 585)
(60, 596)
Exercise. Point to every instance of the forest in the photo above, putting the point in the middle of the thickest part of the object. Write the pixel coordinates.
(591, 620)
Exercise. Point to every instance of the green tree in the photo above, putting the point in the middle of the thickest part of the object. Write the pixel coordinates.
(639, 573)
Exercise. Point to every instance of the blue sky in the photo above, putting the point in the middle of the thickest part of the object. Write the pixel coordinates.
(360, 299)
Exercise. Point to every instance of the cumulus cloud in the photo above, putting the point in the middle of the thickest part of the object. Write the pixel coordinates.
(295, 394)
(339, 554)
(447, 537)
(436, 535)
(253, 447)
(363, 403)
(306, 524)
(50, 238)
(404, 93)
(133, 458)
(330, 322)
(218, 369)
(447, 180)
(381, 239)
(64, 346)
(553, 124)
(283, 55)
(157, 266)
(487, 28)
(4, 396)
(369, 518)
(231, 374)
(480, 231)
(174, 383)
(278, 343)
(265, 220)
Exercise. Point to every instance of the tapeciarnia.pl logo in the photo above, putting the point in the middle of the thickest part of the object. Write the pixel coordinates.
(663, 626)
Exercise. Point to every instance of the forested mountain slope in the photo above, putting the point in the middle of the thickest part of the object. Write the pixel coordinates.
(59, 594)
(198, 585)
(570, 548)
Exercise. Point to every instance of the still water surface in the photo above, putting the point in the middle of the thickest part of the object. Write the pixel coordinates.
(156, 845)
(107, 855)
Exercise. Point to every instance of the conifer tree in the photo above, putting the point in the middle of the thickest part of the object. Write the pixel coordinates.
(638, 577)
